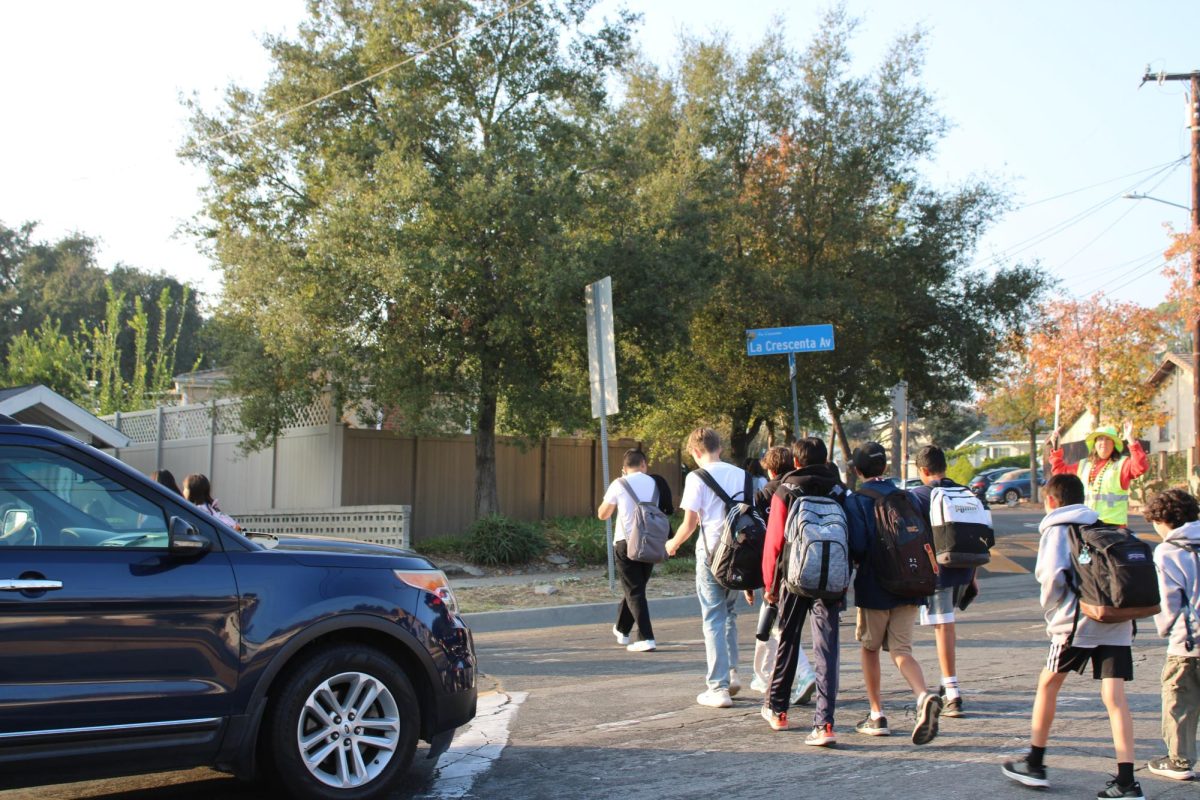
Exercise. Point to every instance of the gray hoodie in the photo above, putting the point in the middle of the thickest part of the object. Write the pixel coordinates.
(1179, 572)
(1058, 601)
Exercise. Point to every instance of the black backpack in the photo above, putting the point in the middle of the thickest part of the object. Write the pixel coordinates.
(902, 554)
(736, 562)
(1113, 574)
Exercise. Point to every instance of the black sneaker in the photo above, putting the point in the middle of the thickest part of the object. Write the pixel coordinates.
(929, 708)
(1174, 768)
(1131, 792)
(873, 727)
(1023, 773)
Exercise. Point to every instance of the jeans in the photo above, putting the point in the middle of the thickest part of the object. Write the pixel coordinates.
(634, 576)
(719, 619)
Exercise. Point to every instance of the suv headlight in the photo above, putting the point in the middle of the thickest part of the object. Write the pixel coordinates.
(432, 581)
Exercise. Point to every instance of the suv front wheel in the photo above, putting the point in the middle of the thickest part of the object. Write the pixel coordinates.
(343, 725)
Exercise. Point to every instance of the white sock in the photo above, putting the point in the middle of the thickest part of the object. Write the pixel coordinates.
(876, 714)
(951, 685)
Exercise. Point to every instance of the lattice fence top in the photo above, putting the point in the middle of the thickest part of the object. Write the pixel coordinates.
(197, 421)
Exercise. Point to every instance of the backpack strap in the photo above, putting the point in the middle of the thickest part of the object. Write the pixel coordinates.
(716, 487)
(748, 491)
(1073, 585)
(625, 484)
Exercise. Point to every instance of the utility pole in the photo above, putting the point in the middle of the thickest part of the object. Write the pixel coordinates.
(1194, 123)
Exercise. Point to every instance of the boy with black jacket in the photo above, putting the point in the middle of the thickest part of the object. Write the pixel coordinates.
(813, 476)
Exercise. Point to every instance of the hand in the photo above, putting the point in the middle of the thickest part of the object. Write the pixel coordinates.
(1127, 431)
(1052, 440)
(672, 547)
(750, 597)
(769, 597)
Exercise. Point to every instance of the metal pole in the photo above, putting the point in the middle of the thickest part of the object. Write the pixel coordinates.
(795, 404)
(1195, 125)
(212, 439)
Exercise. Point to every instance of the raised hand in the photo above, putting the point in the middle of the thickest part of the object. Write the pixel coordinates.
(1127, 431)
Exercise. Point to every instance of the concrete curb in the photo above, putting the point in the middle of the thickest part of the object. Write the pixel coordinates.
(581, 614)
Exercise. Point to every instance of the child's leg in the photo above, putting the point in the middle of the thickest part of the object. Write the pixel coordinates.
(1112, 690)
(872, 676)
(1180, 707)
(1044, 705)
(911, 670)
(944, 636)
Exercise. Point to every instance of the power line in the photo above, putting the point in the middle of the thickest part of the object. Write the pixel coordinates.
(1101, 183)
(355, 84)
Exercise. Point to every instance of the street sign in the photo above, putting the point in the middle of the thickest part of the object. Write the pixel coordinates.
(602, 348)
(796, 339)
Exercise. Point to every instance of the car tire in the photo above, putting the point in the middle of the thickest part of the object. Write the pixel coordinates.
(323, 703)
(1011, 498)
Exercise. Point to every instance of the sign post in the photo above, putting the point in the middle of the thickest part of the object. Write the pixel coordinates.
(602, 374)
(796, 339)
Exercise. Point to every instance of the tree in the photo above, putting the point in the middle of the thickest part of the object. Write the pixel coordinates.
(51, 358)
(948, 423)
(421, 241)
(1017, 403)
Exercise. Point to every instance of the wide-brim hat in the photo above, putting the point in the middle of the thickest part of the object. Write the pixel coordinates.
(1108, 430)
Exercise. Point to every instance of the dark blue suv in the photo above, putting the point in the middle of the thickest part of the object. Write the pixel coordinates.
(140, 634)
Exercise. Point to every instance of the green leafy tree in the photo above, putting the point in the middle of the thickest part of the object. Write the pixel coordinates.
(51, 358)
(421, 241)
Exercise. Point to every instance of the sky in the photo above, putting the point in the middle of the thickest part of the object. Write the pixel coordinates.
(1043, 97)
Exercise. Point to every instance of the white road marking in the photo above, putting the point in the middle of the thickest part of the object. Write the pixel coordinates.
(476, 746)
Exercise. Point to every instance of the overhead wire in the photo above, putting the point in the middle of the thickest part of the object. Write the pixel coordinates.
(1101, 183)
(272, 118)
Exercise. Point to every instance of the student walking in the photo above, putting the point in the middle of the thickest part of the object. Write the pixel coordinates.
(1075, 642)
(1106, 472)
(1174, 514)
(704, 508)
(885, 620)
(633, 487)
(952, 582)
(815, 478)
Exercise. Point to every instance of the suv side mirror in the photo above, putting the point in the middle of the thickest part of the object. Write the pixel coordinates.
(185, 540)
(15, 519)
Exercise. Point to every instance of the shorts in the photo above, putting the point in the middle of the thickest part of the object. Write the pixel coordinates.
(890, 629)
(940, 608)
(1108, 660)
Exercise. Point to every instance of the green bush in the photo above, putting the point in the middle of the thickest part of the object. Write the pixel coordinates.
(680, 565)
(961, 471)
(495, 540)
(579, 538)
(443, 546)
(1016, 462)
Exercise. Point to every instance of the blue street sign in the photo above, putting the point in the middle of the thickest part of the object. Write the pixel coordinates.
(797, 339)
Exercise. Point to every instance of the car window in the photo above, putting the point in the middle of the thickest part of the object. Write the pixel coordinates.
(50, 500)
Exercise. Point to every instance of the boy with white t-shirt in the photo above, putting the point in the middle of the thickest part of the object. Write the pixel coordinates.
(634, 575)
(704, 509)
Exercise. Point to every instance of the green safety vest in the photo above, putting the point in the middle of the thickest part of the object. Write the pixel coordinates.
(1105, 495)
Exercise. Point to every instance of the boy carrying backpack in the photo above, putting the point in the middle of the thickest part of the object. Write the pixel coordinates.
(897, 570)
(1174, 514)
(1069, 566)
(806, 567)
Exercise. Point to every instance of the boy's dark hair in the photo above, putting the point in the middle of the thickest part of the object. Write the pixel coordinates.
(754, 467)
(634, 458)
(932, 459)
(870, 459)
(809, 452)
(779, 460)
(1066, 489)
(1175, 507)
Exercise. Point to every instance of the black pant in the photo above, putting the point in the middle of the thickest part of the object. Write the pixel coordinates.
(634, 576)
(792, 611)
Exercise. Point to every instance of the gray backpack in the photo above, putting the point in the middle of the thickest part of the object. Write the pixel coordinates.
(646, 538)
(816, 552)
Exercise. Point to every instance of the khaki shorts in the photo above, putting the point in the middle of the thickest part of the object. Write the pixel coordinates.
(890, 629)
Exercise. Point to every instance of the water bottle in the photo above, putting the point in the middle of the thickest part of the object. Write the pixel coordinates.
(766, 621)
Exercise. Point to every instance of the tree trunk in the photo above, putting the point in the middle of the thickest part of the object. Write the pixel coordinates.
(486, 498)
(895, 446)
(743, 433)
(840, 434)
(1033, 465)
(770, 433)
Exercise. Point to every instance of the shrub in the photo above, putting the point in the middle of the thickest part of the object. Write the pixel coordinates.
(443, 546)
(579, 538)
(496, 539)
(1016, 462)
(680, 565)
(961, 471)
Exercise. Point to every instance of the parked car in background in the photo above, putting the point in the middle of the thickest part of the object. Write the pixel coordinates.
(141, 634)
(910, 483)
(982, 480)
(1012, 487)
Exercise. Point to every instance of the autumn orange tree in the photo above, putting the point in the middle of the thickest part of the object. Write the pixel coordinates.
(1020, 401)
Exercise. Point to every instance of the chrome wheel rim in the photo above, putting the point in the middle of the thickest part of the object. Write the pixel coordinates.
(348, 730)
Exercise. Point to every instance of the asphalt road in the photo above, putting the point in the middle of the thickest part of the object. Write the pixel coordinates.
(598, 722)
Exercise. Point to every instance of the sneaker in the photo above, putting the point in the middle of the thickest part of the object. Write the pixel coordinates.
(1113, 789)
(644, 646)
(622, 638)
(715, 698)
(777, 721)
(1022, 772)
(735, 685)
(929, 708)
(821, 736)
(873, 727)
(802, 692)
(759, 685)
(953, 708)
(1175, 768)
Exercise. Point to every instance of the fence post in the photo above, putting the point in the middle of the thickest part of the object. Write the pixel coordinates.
(545, 481)
(406, 527)
(212, 439)
(158, 447)
(117, 425)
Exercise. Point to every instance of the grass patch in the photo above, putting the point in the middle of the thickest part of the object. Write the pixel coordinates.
(680, 565)
(579, 538)
(441, 546)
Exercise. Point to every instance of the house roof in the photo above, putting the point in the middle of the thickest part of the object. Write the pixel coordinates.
(38, 405)
(1171, 362)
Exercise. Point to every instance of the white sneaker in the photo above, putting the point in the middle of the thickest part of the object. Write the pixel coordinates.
(735, 685)
(644, 646)
(802, 690)
(715, 698)
(622, 638)
(759, 685)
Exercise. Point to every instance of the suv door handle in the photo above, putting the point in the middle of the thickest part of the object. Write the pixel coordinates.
(17, 585)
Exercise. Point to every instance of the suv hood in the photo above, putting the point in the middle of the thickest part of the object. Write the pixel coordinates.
(327, 544)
